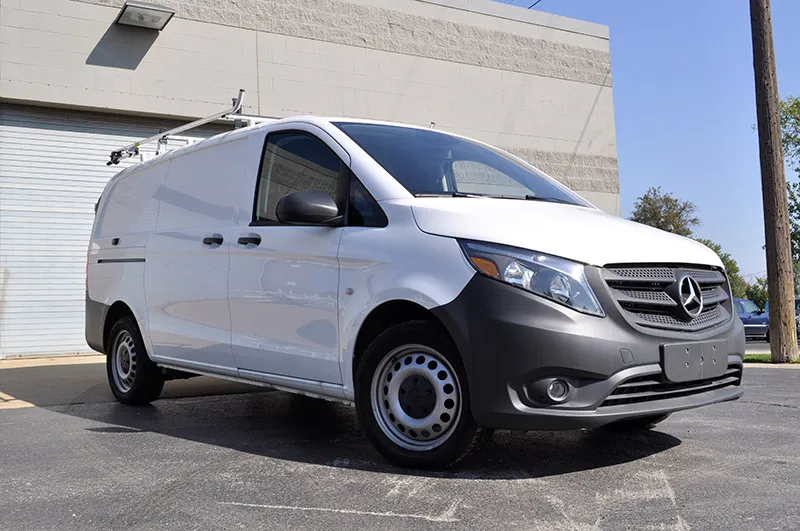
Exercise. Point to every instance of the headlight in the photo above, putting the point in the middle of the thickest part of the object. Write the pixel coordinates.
(557, 279)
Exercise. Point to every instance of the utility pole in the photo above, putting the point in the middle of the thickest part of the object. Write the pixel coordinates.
(780, 274)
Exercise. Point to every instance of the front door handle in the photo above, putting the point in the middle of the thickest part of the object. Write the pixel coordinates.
(249, 239)
(213, 240)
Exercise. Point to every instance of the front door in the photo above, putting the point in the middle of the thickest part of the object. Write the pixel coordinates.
(284, 279)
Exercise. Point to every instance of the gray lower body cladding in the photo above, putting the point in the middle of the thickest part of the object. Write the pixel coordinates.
(96, 313)
(513, 342)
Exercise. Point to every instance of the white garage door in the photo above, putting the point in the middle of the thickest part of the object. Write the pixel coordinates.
(52, 171)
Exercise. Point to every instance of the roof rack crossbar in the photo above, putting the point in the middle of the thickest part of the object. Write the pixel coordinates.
(133, 149)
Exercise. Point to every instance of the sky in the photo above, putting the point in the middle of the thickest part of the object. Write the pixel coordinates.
(684, 106)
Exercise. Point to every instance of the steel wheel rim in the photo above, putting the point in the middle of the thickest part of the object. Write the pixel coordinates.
(123, 366)
(416, 397)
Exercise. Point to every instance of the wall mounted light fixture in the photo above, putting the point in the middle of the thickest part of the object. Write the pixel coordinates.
(143, 15)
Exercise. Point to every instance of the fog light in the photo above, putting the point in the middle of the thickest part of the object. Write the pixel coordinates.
(558, 390)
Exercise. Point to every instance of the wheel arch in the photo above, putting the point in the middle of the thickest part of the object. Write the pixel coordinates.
(386, 315)
(117, 310)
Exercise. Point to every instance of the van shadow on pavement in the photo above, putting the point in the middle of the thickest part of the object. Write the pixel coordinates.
(290, 427)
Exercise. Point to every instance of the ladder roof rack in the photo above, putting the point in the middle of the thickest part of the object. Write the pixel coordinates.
(133, 149)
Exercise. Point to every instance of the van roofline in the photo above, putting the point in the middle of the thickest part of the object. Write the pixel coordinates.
(320, 121)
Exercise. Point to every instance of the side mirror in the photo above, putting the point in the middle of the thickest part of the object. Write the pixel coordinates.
(310, 207)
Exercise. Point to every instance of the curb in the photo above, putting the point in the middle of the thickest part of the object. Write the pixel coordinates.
(773, 365)
(17, 363)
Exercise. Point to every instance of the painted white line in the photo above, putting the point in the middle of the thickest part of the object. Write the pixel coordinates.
(447, 516)
(667, 487)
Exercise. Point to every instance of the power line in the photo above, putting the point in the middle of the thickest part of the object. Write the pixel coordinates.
(534, 4)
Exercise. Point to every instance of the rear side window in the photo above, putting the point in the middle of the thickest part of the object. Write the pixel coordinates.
(294, 162)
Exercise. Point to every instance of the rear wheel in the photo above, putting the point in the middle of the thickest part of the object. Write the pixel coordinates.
(134, 379)
(412, 398)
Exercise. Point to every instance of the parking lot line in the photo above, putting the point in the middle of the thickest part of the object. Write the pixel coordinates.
(447, 516)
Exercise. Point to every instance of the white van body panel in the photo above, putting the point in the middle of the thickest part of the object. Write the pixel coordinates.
(283, 302)
(121, 281)
(283, 293)
(126, 217)
(578, 233)
(186, 281)
(394, 263)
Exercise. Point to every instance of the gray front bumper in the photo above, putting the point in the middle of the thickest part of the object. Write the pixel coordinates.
(510, 339)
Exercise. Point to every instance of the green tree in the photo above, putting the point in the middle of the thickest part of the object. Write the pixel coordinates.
(666, 212)
(757, 292)
(790, 129)
(738, 284)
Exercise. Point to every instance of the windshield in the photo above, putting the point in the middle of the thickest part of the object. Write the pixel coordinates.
(750, 307)
(429, 162)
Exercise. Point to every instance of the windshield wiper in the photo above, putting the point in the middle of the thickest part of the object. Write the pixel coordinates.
(547, 199)
(450, 194)
(528, 197)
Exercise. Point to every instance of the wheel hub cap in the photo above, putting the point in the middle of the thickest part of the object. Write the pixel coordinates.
(416, 397)
(124, 361)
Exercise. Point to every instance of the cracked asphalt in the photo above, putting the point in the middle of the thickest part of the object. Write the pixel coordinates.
(241, 458)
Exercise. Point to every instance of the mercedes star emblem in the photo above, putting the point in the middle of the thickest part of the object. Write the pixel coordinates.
(691, 297)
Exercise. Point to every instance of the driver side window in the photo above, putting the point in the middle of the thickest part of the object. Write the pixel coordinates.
(294, 161)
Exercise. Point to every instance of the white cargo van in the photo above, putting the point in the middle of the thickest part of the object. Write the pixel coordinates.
(443, 286)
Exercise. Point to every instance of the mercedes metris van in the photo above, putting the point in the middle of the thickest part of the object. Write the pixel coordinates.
(444, 287)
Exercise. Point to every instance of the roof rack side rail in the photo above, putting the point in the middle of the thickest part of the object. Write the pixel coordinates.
(133, 149)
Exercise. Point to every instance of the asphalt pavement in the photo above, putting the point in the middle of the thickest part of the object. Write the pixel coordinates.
(223, 456)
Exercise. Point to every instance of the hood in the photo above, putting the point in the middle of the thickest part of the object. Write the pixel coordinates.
(582, 234)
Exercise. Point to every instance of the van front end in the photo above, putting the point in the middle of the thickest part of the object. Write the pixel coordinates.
(666, 339)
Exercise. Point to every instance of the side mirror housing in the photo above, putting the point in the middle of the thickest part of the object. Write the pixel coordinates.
(309, 207)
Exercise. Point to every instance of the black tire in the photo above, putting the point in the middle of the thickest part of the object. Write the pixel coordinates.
(460, 440)
(143, 381)
(639, 423)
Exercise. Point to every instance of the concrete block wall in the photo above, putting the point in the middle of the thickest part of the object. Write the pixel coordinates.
(535, 84)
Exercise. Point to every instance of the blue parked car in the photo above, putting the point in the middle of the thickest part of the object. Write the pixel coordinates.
(755, 320)
(796, 314)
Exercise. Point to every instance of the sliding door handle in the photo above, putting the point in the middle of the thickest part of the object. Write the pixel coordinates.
(213, 240)
(249, 239)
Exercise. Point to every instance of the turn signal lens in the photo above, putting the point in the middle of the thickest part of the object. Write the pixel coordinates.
(486, 266)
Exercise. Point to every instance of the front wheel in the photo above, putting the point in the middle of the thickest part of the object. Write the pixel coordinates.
(134, 379)
(412, 398)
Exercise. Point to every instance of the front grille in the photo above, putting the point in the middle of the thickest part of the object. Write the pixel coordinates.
(650, 388)
(706, 318)
(648, 296)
